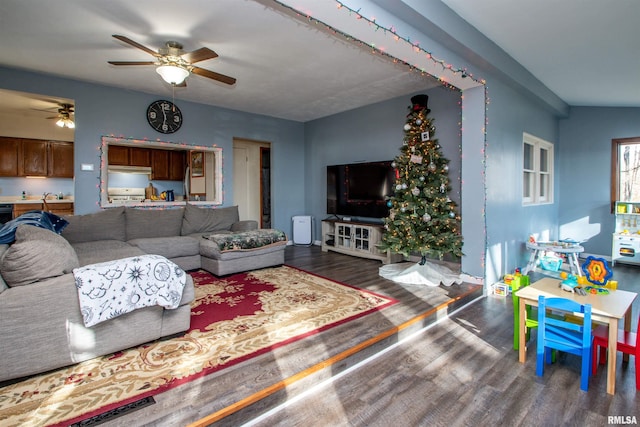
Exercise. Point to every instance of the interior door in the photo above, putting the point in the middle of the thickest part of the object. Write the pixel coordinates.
(249, 184)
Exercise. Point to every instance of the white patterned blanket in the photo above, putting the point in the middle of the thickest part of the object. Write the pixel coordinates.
(109, 289)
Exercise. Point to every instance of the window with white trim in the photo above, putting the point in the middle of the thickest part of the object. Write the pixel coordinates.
(537, 170)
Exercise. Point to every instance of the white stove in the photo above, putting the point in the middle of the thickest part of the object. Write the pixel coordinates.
(124, 195)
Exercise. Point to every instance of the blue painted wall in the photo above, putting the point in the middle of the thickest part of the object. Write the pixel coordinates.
(585, 172)
(102, 110)
(496, 222)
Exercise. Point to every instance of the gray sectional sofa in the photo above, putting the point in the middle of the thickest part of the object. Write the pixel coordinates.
(41, 327)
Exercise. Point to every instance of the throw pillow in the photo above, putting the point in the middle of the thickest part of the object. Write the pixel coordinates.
(201, 220)
(108, 224)
(37, 254)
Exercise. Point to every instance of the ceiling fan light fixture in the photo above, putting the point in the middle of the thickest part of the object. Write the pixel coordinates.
(172, 74)
(66, 122)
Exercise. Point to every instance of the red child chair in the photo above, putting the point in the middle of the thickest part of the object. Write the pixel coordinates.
(628, 342)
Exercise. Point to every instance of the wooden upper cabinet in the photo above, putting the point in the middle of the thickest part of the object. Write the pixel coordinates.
(34, 157)
(118, 155)
(9, 153)
(60, 159)
(160, 164)
(139, 156)
(177, 165)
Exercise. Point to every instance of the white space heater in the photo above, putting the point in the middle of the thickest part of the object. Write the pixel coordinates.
(302, 225)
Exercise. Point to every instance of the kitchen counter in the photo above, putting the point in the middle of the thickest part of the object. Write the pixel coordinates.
(157, 204)
(19, 201)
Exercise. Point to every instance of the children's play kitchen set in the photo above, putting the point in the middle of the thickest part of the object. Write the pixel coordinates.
(626, 235)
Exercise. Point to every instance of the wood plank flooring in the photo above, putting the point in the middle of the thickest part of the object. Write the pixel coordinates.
(462, 371)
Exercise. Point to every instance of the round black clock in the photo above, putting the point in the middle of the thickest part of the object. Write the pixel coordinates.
(164, 116)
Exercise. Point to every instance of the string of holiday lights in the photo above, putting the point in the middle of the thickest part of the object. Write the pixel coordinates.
(106, 140)
(463, 72)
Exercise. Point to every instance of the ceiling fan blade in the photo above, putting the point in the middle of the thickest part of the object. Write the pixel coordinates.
(128, 41)
(199, 55)
(213, 75)
(131, 62)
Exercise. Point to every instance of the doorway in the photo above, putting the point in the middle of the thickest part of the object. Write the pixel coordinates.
(252, 180)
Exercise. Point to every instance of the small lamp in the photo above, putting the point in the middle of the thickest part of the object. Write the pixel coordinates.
(172, 74)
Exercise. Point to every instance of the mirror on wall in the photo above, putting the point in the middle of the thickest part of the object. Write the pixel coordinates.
(134, 172)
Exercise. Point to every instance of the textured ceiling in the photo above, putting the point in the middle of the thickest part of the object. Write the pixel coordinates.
(288, 66)
(585, 51)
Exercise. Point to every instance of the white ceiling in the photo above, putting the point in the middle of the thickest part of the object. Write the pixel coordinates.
(585, 51)
(294, 68)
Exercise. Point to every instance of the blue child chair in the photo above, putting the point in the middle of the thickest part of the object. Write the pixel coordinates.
(561, 335)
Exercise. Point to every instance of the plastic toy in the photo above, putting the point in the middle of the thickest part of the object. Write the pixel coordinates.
(597, 270)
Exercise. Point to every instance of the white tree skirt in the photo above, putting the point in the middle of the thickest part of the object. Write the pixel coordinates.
(429, 274)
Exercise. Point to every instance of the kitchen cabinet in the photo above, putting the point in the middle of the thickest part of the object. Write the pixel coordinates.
(177, 162)
(35, 157)
(160, 164)
(120, 155)
(58, 208)
(167, 165)
(9, 152)
(139, 156)
(60, 159)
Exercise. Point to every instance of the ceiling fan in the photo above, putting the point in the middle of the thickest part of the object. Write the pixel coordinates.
(174, 64)
(65, 111)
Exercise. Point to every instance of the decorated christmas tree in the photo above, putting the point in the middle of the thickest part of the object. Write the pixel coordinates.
(422, 218)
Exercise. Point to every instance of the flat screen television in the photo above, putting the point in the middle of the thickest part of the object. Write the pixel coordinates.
(360, 189)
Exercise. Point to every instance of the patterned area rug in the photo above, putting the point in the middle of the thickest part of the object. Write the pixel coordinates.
(232, 319)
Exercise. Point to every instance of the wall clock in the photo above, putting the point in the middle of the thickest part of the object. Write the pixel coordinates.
(164, 116)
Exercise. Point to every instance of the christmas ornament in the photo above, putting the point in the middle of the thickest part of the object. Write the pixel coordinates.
(404, 185)
(418, 122)
(389, 203)
(445, 168)
(452, 214)
(407, 127)
(393, 164)
(442, 188)
(415, 191)
(431, 167)
(426, 217)
(421, 178)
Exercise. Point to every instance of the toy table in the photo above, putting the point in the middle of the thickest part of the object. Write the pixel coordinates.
(539, 248)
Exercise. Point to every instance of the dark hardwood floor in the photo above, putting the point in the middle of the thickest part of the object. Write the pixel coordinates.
(460, 371)
(464, 372)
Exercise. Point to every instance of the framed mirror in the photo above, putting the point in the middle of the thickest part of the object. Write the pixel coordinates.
(143, 173)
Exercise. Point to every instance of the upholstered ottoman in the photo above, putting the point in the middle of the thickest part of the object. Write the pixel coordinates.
(223, 254)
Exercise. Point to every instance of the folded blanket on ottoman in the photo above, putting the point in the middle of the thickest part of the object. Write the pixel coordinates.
(112, 288)
(248, 240)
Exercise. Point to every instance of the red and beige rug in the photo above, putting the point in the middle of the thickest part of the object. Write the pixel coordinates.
(232, 319)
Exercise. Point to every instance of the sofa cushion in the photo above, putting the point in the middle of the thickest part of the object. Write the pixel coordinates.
(3, 284)
(169, 247)
(201, 220)
(104, 250)
(37, 254)
(108, 224)
(143, 223)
